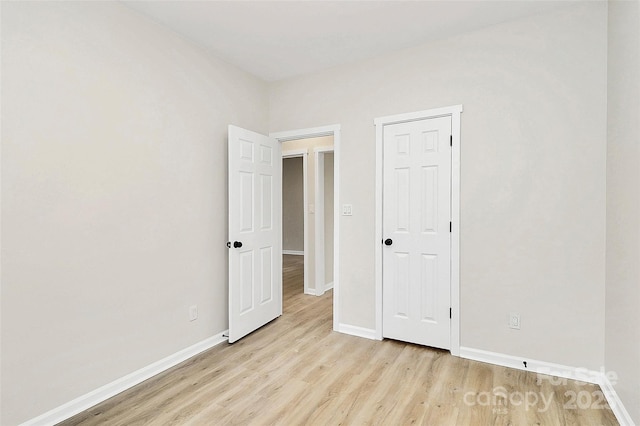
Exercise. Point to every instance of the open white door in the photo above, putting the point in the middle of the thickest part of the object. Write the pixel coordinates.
(255, 231)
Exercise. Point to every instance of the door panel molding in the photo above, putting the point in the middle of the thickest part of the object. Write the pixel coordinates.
(454, 112)
(255, 231)
(416, 284)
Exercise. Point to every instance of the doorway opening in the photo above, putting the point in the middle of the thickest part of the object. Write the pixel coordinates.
(307, 219)
(319, 147)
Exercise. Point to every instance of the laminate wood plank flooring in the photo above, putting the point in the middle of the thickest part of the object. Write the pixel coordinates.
(297, 371)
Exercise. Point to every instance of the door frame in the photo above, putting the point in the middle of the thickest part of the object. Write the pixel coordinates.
(314, 132)
(320, 278)
(454, 112)
(302, 153)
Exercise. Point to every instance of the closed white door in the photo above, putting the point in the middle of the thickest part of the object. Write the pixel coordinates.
(255, 231)
(416, 231)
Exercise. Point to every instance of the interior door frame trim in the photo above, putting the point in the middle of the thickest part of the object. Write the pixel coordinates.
(454, 112)
(314, 132)
(319, 188)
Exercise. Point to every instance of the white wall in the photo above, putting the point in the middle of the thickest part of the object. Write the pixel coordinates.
(533, 173)
(292, 204)
(622, 349)
(113, 196)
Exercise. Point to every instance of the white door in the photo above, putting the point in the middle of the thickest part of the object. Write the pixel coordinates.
(416, 254)
(255, 231)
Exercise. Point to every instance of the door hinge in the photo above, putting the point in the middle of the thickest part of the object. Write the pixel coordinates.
(450, 140)
(449, 313)
(450, 227)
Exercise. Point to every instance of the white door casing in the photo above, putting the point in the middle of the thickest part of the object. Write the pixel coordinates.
(255, 231)
(320, 219)
(416, 228)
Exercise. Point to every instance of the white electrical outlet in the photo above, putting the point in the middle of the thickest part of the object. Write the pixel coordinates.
(193, 313)
(514, 321)
(347, 210)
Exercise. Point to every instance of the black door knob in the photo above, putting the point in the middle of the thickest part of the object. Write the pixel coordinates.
(388, 242)
(237, 244)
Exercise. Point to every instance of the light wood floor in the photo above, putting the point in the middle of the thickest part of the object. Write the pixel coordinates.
(297, 371)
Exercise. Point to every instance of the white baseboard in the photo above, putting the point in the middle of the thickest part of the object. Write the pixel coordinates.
(293, 252)
(353, 330)
(557, 370)
(327, 287)
(105, 392)
(542, 367)
(621, 413)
